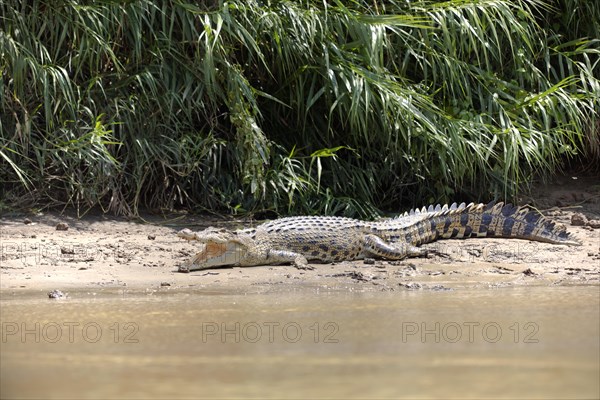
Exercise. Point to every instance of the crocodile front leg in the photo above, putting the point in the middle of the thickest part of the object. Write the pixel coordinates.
(376, 246)
(286, 256)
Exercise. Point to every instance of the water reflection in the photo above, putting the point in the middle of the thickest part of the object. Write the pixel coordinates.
(522, 342)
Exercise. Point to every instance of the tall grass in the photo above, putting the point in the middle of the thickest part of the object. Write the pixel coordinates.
(298, 107)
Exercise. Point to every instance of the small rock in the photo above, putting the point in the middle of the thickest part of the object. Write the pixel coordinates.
(594, 223)
(359, 276)
(151, 237)
(412, 285)
(529, 272)
(165, 284)
(369, 261)
(578, 219)
(57, 294)
(67, 250)
(61, 226)
(26, 221)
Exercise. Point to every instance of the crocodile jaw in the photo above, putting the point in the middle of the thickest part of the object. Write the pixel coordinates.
(216, 254)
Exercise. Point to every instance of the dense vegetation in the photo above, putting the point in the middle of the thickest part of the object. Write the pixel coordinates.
(294, 106)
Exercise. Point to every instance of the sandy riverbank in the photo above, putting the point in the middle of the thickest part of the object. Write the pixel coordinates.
(99, 251)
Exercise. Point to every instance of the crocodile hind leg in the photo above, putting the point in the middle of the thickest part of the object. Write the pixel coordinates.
(377, 247)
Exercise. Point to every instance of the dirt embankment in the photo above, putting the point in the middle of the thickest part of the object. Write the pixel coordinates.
(97, 252)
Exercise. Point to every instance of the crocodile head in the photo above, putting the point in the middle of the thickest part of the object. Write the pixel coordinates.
(221, 248)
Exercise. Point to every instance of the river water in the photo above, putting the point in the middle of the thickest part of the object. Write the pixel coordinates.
(541, 342)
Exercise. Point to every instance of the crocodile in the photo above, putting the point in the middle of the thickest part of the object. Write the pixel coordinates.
(298, 240)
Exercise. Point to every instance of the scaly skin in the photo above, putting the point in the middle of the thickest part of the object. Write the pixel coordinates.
(298, 240)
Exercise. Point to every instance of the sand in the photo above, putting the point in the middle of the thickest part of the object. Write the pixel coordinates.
(99, 252)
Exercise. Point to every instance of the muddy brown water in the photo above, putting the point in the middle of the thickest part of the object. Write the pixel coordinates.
(523, 342)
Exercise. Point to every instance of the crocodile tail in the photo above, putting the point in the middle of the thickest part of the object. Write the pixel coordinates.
(491, 220)
(496, 220)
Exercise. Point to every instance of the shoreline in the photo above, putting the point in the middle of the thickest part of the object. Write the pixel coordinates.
(100, 253)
